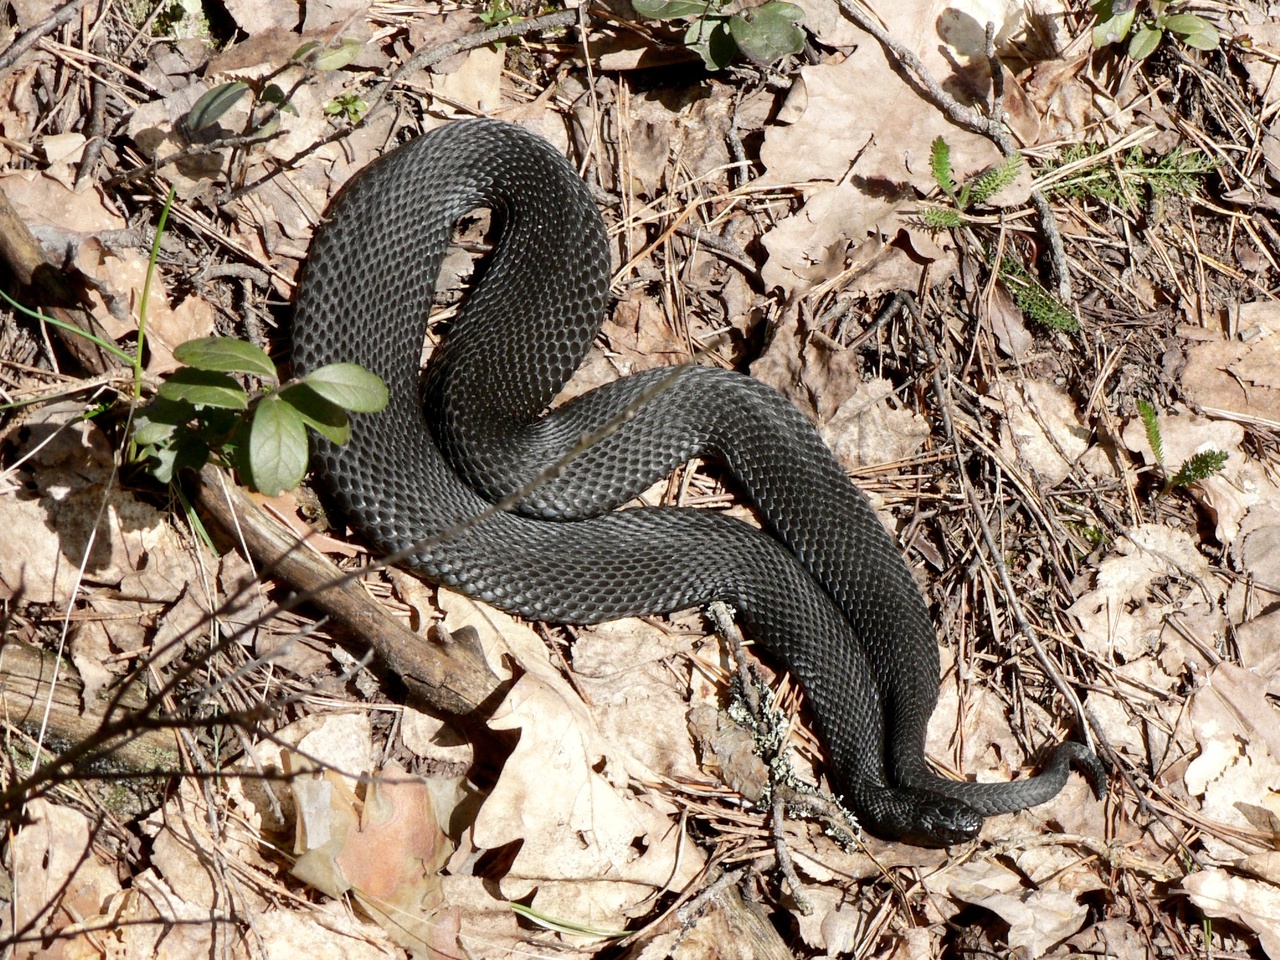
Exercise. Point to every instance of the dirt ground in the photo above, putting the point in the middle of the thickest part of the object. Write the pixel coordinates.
(1069, 425)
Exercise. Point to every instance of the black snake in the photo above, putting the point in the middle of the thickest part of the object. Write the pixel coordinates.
(828, 593)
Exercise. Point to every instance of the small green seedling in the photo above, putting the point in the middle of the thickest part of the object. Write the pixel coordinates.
(974, 193)
(1118, 21)
(1037, 303)
(201, 412)
(1199, 467)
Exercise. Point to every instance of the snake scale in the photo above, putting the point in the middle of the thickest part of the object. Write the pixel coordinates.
(826, 589)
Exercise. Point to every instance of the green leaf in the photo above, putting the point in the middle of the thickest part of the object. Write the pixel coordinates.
(1113, 30)
(1184, 23)
(671, 9)
(187, 451)
(274, 94)
(277, 446)
(304, 51)
(1144, 43)
(1204, 38)
(565, 926)
(215, 103)
(350, 386)
(1151, 423)
(710, 39)
(226, 354)
(204, 388)
(158, 420)
(1201, 466)
(940, 163)
(339, 56)
(325, 418)
(148, 434)
(769, 32)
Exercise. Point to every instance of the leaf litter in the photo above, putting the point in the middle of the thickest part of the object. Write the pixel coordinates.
(606, 813)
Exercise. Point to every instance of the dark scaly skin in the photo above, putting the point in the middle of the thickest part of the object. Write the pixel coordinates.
(839, 607)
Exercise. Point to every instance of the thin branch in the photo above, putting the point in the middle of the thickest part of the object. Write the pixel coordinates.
(42, 29)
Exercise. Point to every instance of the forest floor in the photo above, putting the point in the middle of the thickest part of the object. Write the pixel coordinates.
(1070, 428)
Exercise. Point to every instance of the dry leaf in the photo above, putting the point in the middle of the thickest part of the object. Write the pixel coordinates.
(1041, 428)
(1118, 619)
(637, 699)
(1238, 377)
(1038, 919)
(867, 171)
(1251, 903)
(386, 851)
(591, 849)
(1238, 733)
(58, 883)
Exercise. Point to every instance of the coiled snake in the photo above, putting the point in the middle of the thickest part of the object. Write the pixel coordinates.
(828, 592)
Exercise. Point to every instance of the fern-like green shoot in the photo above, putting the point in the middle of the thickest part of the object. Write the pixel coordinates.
(1151, 423)
(940, 163)
(941, 218)
(1035, 302)
(1201, 466)
(1179, 172)
(988, 184)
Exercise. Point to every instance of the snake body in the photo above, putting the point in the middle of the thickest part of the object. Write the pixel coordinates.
(826, 590)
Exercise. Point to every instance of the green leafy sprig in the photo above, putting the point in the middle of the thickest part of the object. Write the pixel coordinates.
(203, 412)
(970, 194)
(1200, 466)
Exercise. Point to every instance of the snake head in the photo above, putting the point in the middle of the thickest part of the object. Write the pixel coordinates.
(942, 821)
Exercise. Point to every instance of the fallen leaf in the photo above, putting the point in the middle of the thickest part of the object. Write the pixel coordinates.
(58, 882)
(590, 848)
(1041, 428)
(1238, 734)
(1251, 903)
(859, 172)
(1119, 619)
(1038, 919)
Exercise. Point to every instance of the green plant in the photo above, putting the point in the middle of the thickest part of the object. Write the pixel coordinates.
(349, 105)
(497, 11)
(764, 34)
(974, 193)
(1200, 466)
(1146, 31)
(1035, 302)
(201, 412)
(1122, 180)
(269, 98)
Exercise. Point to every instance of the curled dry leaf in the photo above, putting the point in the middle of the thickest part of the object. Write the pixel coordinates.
(386, 850)
(1038, 919)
